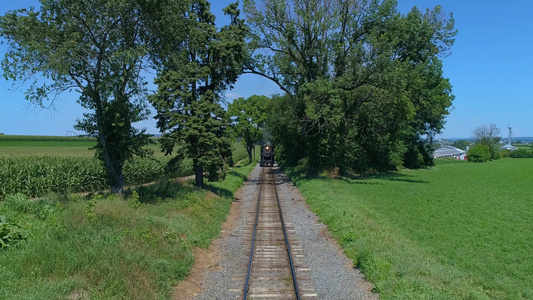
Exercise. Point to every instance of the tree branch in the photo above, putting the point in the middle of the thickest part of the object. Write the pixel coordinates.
(249, 70)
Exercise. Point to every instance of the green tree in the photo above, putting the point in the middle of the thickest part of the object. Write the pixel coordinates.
(479, 153)
(364, 86)
(461, 144)
(97, 48)
(248, 118)
(488, 135)
(194, 72)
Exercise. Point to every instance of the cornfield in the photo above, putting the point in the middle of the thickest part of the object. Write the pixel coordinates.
(38, 175)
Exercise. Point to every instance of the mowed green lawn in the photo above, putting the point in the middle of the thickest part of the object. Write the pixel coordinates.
(455, 231)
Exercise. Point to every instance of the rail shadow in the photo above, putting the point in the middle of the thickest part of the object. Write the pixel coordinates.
(279, 179)
(237, 174)
(161, 191)
(387, 176)
(222, 192)
(361, 178)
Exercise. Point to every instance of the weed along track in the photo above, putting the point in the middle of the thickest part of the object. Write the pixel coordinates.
(275, 269)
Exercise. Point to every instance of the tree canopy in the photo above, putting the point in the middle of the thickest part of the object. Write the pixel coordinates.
(97, 48)
(364, 83)
(364, 87)
(248, 117)
(190, 80)
(488, 135)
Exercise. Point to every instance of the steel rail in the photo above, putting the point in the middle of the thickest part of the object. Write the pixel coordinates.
(286, 241)
(246, 284)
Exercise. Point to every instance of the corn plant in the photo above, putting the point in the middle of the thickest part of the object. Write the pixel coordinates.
(36, 176)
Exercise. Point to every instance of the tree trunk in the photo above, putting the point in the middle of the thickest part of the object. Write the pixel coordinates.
(249, 150)
(198, 174)
(114, 174)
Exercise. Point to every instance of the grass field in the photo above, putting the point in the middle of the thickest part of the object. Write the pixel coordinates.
(25, 146)
(523, 146)
(456, 231)
(107, 247)
(55, 146)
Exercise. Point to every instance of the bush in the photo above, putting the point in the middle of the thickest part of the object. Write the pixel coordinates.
(496, 154)
(479, 153)
(11, 233)
(506, 153)
(522, 153)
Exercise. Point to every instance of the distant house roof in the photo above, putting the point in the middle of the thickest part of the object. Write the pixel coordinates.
(447, 151)
(509, 147)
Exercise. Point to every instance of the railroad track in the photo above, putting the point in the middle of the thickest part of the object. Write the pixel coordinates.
(274, 266)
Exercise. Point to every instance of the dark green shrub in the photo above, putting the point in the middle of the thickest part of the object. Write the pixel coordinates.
(496, 153)
(506, 153)
(479, 153)
(522, 153)
(11, 233)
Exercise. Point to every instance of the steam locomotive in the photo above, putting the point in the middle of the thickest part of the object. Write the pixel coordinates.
(267, 156)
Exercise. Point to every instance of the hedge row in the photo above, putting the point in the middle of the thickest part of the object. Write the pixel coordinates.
(522, 153)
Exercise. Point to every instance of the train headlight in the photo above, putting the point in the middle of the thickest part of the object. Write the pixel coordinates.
(267, 148)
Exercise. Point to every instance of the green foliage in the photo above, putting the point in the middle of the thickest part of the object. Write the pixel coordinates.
(506, 153)
(36, 176)
(461, 144)
(248, 117)
(194, 71)
(479, 153)
(11, 233)
(522, 153)
(98, 48)
(475, 240)
(488, 135)
(496, 153)
(69, 171)
(364, 84)
(238, 153)
(109, 247)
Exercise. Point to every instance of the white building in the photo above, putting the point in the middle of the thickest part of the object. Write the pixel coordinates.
(449, 151)
(509, 147)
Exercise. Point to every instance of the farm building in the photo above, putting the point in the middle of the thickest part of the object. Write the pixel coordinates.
(509, 147)
(449, 151)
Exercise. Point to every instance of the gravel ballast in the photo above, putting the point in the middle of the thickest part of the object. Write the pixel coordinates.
(332, 273)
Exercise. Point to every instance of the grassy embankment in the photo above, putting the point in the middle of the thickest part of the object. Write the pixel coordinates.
(108, 247)
(455, 231)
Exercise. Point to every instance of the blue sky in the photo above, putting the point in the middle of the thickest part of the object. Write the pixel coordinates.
(490, 68)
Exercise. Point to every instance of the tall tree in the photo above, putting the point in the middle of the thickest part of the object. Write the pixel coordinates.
(364, 83)
(97, 48)
(248, 118)
(190, 84)
(488, 135)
